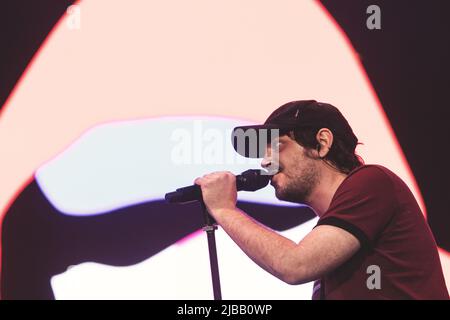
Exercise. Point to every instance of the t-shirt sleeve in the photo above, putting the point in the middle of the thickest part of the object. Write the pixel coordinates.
(363, 205)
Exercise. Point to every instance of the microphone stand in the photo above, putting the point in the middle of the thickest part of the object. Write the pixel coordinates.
(250, 180)
(210, 227)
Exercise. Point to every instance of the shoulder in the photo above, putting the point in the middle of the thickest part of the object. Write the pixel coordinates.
(374, 180)
(373, 170)
(370, 174)
(363, 203)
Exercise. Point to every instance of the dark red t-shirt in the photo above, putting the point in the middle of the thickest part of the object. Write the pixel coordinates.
(397, 246)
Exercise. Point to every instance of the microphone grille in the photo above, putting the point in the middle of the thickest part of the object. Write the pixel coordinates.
(252, 180)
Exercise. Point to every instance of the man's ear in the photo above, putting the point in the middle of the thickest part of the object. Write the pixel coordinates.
(324, 142)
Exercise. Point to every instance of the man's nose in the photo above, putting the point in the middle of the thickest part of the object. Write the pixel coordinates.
(266, 161)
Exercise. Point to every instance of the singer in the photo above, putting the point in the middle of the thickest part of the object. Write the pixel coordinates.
(371, 240)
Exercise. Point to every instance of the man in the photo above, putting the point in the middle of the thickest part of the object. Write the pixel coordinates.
(369, 221)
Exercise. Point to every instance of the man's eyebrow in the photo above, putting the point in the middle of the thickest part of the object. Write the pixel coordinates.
(283, 138)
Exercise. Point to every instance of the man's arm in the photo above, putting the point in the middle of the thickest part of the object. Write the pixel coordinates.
(321, 251)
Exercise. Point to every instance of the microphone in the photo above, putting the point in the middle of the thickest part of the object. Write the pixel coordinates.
(250, 180)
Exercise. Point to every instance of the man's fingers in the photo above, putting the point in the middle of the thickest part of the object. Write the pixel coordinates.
(202, 180)
(212, 176)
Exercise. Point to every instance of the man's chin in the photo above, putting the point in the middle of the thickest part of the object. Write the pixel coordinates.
(279, 194)
(285, 196)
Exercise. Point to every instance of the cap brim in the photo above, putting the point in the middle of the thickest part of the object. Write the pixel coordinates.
(251, 141)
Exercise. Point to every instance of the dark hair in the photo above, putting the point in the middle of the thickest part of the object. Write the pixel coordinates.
(341, 154)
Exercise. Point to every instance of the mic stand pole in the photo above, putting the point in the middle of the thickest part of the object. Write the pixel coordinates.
(210, 227)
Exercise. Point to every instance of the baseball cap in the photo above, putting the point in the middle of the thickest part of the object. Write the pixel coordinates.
(251, 141)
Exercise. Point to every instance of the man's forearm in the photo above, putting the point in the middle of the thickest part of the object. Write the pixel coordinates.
(271, 251)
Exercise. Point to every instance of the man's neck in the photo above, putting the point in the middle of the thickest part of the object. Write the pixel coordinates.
(321, 196)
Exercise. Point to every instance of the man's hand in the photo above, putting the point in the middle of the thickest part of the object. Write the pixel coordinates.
(219, 191)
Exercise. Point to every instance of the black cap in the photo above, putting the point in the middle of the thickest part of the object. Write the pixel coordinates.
(294, 115)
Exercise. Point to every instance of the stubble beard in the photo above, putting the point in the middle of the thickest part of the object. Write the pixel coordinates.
(299, 187)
